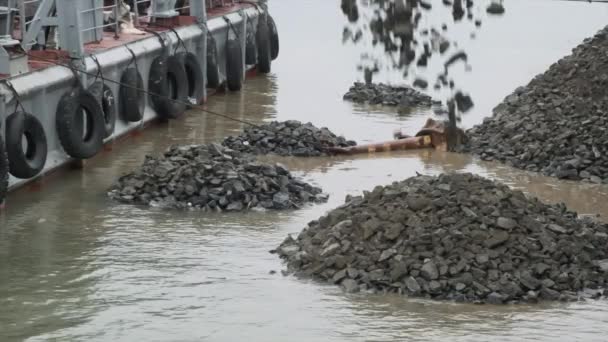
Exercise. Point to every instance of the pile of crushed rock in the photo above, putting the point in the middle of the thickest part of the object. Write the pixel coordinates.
(213, 178)
(287, 138)
(454, 237)
(557, 124)
(380, 93)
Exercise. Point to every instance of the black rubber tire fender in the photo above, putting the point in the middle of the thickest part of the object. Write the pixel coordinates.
(104, 95)
(194, 76)
(234, 65)
(78, 141)
(168, 87)
(213, 70)
(251, 52)
(25, 163)
(3, 171)
(263, 44)
(131, 95)
(274, 38)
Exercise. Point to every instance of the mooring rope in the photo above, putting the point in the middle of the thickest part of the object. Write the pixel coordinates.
(187, 103)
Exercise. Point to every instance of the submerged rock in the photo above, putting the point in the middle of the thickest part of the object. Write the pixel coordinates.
(379, 93)
(557, 123)
(212, 178)
(288, 138)
(454, 237)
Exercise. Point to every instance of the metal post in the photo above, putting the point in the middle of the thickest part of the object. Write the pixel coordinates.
(22, 17)
(116, 19)
(197, 10)
(243, 36)
(164, 9)
(40, 18)
(201, 19)
(70, 37)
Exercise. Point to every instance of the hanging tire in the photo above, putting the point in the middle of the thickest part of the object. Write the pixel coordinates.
(234, 65)
(25, 162)
(263, 45)
(168, 86)
(131, 96)
(80, 124)
(106, 99)
(251, 53)
(3, 171)
(194, 76)
(213, 70)
(274, 38)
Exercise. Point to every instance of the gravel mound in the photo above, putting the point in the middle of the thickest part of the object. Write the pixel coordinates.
(213, 178)
(288, 138)
(557, 123)
(379, 93)
(454, 237)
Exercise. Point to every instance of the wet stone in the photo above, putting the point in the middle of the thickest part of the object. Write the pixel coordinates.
(412, 285)
(288, 138)
(202, 177)
(506, 223)
(394, 239)
(350, 286)
(553, 125)
(379, 93)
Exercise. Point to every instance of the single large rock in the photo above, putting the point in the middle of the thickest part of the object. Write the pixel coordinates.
(213, 178)
(288, 138)
(415, 237)
(557, 123)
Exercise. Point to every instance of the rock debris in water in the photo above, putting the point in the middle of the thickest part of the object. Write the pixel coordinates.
(557, 123)
(454, 237)
(288, 138)
(379, 93)
(213, 178)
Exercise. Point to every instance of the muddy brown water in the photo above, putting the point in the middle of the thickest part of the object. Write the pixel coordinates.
(75, 266)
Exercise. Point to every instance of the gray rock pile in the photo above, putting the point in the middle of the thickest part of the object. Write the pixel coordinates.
(287, 138)
(557, 123)
(379, 93)
(213, 178)
(454, 237)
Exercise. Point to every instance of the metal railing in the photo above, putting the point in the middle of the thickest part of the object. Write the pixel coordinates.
(138, 16)
(184, 7)
(93, 11)
(24, 23)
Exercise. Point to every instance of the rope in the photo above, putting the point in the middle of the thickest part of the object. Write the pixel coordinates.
(77, 80)
(16, 94)
(199, 107)
(133, 61)
(232, 27)
(179, 39)
(99, 71)
(158, 35)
